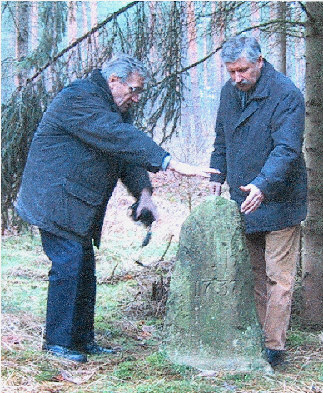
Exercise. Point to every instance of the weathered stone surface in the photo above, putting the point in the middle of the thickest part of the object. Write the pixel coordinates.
(211, 319)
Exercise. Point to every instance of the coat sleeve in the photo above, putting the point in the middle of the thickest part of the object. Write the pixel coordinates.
(218, 156)
(287, 128)
(135, 178)
(87, 116)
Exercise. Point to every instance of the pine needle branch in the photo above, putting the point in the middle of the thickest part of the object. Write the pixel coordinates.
(79, 40)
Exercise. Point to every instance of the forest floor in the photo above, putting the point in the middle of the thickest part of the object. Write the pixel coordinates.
(129, 314)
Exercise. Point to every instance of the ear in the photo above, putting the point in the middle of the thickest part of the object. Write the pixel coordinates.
(260, 61)
(113, 78)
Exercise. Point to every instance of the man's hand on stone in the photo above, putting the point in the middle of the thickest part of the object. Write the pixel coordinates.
(190, 170)
(253, 200)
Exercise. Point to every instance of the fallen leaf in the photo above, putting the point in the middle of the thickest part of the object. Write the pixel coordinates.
(146, 334)
(12, 339)
(127, 277)
(66, 376)
(207, 373)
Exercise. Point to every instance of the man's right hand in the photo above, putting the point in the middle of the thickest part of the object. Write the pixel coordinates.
(190, 170)
(216, 187)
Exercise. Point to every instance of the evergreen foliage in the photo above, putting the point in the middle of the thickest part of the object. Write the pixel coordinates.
(22, 113)
(154, 32)
(20, 118)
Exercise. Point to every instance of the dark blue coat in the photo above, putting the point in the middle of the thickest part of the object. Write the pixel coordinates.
(82, 146)
(262, 144)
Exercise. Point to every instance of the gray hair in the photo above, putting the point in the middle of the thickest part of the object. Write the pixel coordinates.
(123, 65)
(238, 47)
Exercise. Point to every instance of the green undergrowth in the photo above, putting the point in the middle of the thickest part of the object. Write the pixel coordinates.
(126, 318)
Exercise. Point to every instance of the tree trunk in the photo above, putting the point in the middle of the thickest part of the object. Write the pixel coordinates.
(255, 19)
(94, 22)
(73, 61)
(85, 17)
(298, 60)
(312, 266)
(22, 35)
(34, 29)
(194, 125)
(71, 25)
(153, 20)
(281, 37)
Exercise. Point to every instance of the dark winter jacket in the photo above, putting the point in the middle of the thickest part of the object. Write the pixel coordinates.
(82, 146)
(262, 144)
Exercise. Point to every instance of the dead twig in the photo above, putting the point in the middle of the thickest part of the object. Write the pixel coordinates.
(167, 247)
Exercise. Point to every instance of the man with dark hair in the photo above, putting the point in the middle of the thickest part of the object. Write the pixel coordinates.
(84, 144)
(258, 149)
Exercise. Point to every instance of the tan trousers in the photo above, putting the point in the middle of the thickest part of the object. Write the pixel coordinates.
(274, 257)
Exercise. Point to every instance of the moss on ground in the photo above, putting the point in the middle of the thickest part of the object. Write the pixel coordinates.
(126, 316)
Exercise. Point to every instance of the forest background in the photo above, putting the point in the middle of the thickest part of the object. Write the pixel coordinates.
(45, 45)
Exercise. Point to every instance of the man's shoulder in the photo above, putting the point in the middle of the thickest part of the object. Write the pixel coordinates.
(80, 85)
(280, 84)
(92, 86)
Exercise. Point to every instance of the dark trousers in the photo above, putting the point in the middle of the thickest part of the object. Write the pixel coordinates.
(71, 291)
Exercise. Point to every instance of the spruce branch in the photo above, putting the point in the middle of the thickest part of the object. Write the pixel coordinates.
(305, 9)
(78, 41)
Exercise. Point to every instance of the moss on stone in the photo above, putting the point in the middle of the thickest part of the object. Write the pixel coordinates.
(211, 318)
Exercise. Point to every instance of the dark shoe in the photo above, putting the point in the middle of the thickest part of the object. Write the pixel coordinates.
(65, 353)
(275, 357)
(95, 349)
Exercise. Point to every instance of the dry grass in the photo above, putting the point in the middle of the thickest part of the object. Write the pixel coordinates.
(130, 316)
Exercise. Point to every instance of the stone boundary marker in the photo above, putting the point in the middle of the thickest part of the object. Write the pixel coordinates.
(211, 321)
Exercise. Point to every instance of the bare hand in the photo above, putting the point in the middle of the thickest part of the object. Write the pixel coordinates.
(190, 170)
(216, 188)
(253, 200)
(145, 202)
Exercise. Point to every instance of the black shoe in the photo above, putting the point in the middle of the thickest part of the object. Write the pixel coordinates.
(95, 349)
(275, 357)
(65, 353)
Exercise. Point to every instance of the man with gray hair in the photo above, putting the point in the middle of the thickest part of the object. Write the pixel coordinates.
(258, 149)
(83, 145)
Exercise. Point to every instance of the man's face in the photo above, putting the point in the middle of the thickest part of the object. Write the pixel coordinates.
(243, 73)
(125, 94)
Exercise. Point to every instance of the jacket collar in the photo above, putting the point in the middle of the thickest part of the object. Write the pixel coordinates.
(97, 78)
(262, 85)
